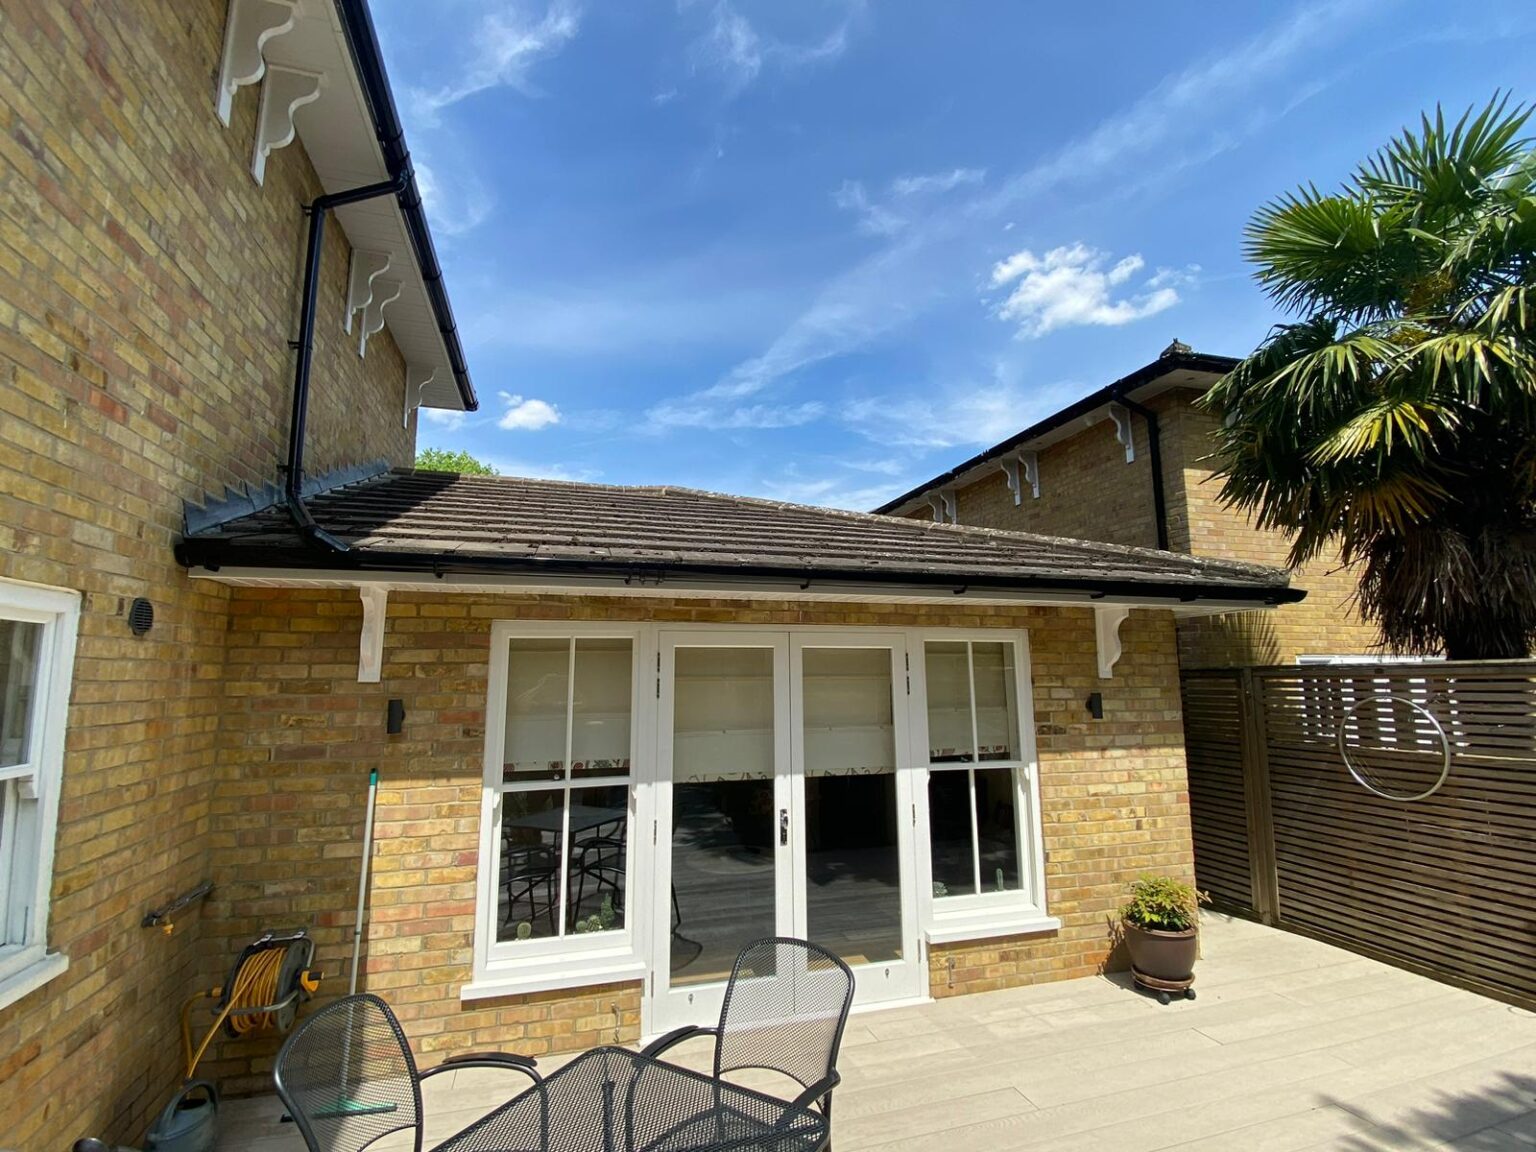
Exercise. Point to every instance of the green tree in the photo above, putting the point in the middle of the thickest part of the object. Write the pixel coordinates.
(442, 460)
(1395, 418)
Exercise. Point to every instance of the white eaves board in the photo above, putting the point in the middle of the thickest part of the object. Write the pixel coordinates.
(338, 135)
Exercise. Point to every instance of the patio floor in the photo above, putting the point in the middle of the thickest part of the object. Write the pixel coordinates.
(1292, 1044)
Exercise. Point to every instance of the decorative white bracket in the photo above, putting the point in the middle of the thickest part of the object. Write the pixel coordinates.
(370, 646)
(416, 381)
(366, 267)
(283, 93)
(944, 506)
(1025, 465)
(1106, 636)
(248, 26)
(1121, 415)
(384, 292)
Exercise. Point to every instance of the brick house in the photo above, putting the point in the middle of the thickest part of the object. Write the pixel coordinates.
(1127, 464)
(636, 722)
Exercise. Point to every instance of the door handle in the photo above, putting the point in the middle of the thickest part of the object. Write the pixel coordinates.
(783, 825)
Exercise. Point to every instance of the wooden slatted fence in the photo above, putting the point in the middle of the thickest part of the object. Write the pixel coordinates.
(1218, 804)
(1446, 884)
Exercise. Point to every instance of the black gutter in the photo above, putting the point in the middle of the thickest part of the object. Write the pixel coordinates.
(1146, 374)
(214, 554)
(293, 483)
(368, 62)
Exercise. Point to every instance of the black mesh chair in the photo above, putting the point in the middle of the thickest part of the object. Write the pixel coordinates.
(347, 1077)
(530, 874)
(785, 1008)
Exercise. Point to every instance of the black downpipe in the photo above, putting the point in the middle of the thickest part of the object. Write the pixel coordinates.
(1155, 451)
(293, 487)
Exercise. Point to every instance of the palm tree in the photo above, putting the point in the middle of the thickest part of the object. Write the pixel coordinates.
(1395, 418)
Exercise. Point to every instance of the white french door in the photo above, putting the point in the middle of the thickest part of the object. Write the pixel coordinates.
(781, 809)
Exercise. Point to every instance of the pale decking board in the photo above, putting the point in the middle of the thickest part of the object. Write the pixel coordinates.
(1292, 1045)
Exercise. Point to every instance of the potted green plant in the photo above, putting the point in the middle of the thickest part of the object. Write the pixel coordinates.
(1160, 924)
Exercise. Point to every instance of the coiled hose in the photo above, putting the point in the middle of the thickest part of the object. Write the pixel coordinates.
(254, 985)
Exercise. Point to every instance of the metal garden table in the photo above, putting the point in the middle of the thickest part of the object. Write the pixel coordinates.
(616, 1100)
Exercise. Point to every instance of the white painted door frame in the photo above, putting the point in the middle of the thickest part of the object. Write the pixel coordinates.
(664, 1007)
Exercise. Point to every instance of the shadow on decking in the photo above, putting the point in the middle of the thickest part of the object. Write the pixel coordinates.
(1448, 1118)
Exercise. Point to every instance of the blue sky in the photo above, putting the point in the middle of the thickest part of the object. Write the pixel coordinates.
(820, 251)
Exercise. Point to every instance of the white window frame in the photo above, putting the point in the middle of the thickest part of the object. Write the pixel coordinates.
(26, 964)
(980, 915)
(572, 959)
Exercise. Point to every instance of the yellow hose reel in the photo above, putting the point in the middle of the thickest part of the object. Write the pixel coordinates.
(270, 979)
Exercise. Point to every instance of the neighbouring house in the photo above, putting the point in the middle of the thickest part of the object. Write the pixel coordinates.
(618, 731)
(1129, 463)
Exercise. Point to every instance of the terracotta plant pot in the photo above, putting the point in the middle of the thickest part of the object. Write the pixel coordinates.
(1162, 960)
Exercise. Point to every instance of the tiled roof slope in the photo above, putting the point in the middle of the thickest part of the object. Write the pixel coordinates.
(447, 522)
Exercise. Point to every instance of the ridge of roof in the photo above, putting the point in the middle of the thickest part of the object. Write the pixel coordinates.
(1128, 551)
(1174, 358)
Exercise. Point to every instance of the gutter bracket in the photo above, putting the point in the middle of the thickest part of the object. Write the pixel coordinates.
(365, 268)
(283, 92)
(416, 381)
(384, 292)
(249, 25)
(370, 644)
(1022, 468)
(1121, 415)
(1106, 636)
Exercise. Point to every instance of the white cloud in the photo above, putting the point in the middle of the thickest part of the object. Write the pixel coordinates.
(527, 415)
(931, 257)
(733, 48)
(538, 470)
(510, 40)
(969, 413)
(906, 198)
(1070, 287)
(874, 219)
(937, 182)
(823, 493)
(705, 410)
(457, 207)
(444, 418)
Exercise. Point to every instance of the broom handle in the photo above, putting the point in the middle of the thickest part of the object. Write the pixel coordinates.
(362, 878)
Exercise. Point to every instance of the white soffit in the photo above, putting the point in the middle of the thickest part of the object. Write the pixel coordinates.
(338, 135)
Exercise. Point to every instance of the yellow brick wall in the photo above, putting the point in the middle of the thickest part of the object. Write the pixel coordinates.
(300, 735)
(1088, 491)
(148, 288)
(1325, 623)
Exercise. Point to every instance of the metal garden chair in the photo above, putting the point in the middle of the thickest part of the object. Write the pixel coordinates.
(785, 1009)
(347, 1076)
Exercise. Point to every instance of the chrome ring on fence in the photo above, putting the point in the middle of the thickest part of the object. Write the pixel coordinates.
(1445, 748)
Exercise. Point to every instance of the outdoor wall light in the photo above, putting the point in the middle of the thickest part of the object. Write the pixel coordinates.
(1096, 705)
(395, 717)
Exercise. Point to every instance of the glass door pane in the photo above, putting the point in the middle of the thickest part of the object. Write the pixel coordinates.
(724, 814)
(852, 859)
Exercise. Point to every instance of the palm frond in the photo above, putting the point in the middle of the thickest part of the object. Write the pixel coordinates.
(1388, 425)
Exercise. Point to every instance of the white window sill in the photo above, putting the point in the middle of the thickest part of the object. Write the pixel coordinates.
(32, 977)
(514, 978)
(1021, 923)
